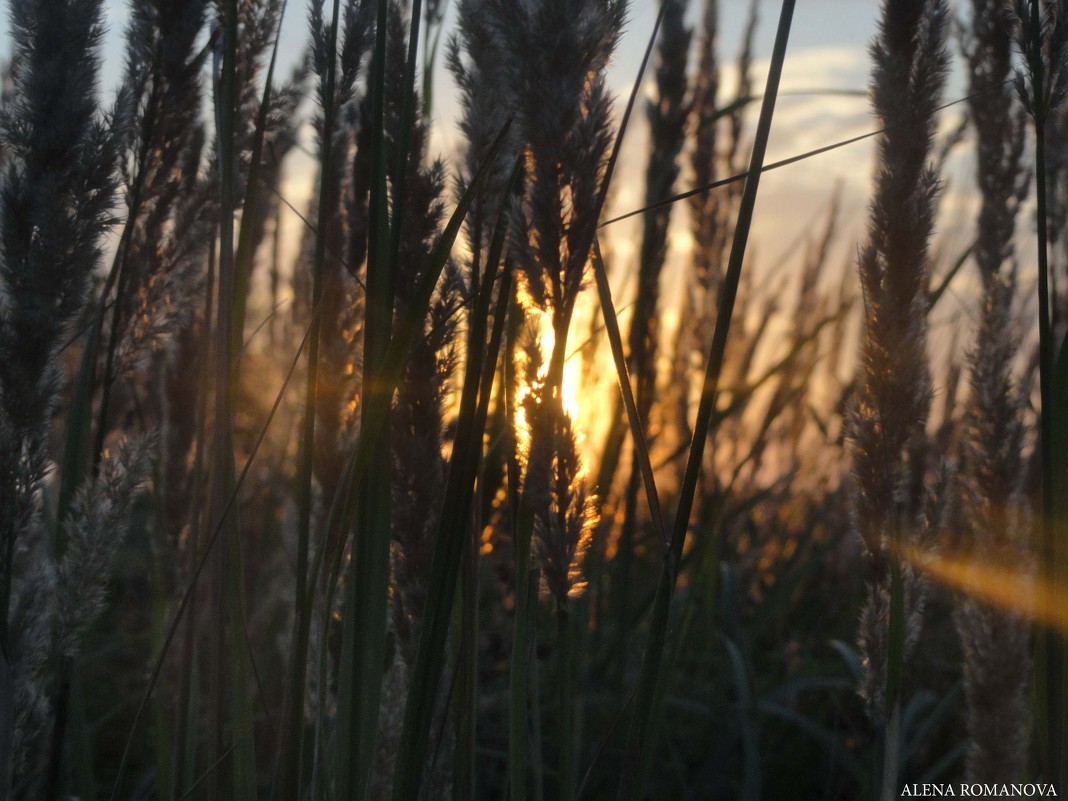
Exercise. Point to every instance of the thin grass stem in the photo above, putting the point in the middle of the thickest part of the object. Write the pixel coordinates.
(640, 737)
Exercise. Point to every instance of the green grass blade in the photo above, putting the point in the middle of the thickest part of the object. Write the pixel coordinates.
(342, 507)
(430, 57)
(455, 517)
(637, 428)
(290, 744)
(747, 712)
(566, 667)
(79, 417)
(640, 736)
(368, 587)
(466, 775)
(244, 752)
(187, 703)
(228, 583)
(464, 770)
(519, 669)
(367, 584)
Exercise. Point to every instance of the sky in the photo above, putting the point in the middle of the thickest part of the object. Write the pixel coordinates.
(827, 51)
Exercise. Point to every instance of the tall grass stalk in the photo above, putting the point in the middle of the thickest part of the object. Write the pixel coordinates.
(640, 737)
(290, 745)
(466, 761)
(456, 508)
(996, 664)
(186, 736)
(1042, 35)
(234, 274)
(564, 123)
(476, 60)
(339, 518)
(227, 677)
(519, 669)
(337, 69)
(667, 115)
(56, 194)
(893, 397)
(367, 579)
(419, 419)
(367, 600)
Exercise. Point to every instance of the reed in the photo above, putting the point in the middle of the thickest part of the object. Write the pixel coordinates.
(995, 645)
(1042, 37)
(639, 735)
(314, 519)
(563, 121)
(893, 397)
(60, 178)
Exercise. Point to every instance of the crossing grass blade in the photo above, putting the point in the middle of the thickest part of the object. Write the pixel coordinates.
(787, 162)
(641, 737)
(615, 339)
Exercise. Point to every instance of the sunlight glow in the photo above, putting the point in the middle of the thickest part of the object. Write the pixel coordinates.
(1010, 587)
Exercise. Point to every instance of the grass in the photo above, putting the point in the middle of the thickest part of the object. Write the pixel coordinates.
(381, 540)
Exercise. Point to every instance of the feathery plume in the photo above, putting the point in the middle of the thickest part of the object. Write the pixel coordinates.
(95, 528)
(564, 530)
(704, 206)
(1043, 86)
(554, 485)
(667, 115)
(994, 642)
(478, 58)
(559, 51)
(893, 397)
(55, 200)
(55, 602)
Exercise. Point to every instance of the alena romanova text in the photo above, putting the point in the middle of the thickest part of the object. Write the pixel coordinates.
(978, 791)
